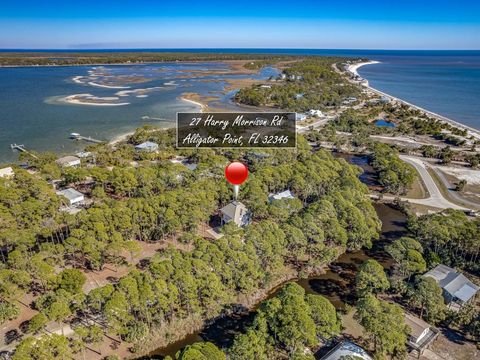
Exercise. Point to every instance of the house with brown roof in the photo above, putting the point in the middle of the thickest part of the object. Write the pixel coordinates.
(421, 333)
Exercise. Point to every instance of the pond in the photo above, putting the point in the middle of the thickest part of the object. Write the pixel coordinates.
(384, 123)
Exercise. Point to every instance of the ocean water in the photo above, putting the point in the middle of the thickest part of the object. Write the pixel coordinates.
(445, 82)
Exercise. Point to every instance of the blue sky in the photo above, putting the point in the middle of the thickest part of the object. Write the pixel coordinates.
(320, 24)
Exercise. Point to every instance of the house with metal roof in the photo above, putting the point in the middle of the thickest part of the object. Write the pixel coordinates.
(73, 196)
(147, 146)
(68, 161)
(347, 350)
(457, 288)
(421, 333)
(287, 194)
(236, 212)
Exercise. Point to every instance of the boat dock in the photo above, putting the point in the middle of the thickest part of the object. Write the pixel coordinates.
(77, 136)
(21, 148)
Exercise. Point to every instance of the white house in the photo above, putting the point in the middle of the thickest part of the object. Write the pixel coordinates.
(287, 194)
(265, 86)
(73, 196)
(421, 333)
(68, 161)
(6, 172)
(457, 289)
(347, 350)
(236, 212)
(147, 146)
(317, 113)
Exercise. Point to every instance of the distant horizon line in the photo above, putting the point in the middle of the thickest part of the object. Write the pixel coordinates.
(222, 48)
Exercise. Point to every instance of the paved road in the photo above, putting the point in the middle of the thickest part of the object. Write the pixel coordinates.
(436, 198)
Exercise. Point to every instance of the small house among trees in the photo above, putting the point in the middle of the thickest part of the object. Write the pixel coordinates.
(236, 212)
(6, 172)
(148, 146)
(421, 334)
(68, 161)
(457, 289)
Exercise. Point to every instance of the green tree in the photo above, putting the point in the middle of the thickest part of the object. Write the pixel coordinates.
(37, 322)
(324, 315)
(371, 278)
(289, 318)
(8, 311)
(201, 351)
(427, 296)
(385, 324)
(72, 280)
(407, 253)
(251, 345)
(47, 347)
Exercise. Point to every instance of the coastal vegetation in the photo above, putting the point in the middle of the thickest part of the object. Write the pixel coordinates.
(307, 84)
(190, 277)
(33, 58)
(394, 175)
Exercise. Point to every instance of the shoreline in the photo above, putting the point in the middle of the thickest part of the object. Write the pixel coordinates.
(199, 104)
(353, 69)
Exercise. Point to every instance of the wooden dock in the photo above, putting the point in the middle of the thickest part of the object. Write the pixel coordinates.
(76, 136)
(21, 148)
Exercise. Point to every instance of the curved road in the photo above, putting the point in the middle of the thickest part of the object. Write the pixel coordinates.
(436, 198)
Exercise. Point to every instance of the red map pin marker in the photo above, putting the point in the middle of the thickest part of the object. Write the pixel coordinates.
(236, 173)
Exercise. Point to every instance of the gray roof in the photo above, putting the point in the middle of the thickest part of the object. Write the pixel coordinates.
(455, 283)
(70, 194)
(287, 194)
(234, 210)
(147, 145)
(67, 160)
(347, 348)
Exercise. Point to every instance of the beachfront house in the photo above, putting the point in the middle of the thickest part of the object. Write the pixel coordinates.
(421, 334)
(74, 197)
(457, 289)
(347, 350)
(147, 146)
(7, 172)
(68, 161)
(300, 116)
(287, 194)
(236, 212)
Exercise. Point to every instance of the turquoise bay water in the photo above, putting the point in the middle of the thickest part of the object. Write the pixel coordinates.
(32, 114)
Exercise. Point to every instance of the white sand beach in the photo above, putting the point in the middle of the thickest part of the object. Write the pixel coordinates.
(138, 91)
(202, 106)
(107, 86)
(89, 99)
